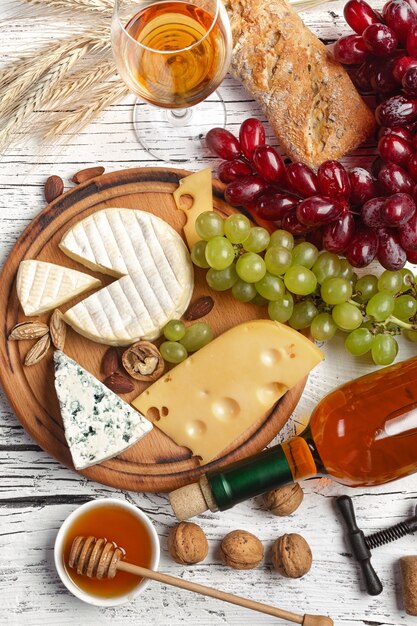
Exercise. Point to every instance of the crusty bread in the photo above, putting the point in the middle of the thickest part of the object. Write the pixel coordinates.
(308, 98)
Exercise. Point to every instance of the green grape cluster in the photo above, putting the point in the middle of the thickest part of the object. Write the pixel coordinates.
(306, 288)
(182, 339)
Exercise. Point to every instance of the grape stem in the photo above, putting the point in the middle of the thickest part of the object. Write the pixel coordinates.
(357, 304)
(394, 320)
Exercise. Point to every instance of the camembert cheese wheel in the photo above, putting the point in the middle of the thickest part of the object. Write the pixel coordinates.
(212, 397)
(154, 270)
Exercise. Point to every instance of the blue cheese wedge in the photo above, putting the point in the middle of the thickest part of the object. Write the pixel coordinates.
(98, 424)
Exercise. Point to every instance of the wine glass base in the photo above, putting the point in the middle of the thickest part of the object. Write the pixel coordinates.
(177, 135)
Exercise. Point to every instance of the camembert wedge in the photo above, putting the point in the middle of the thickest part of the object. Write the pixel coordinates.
(212, 397)
(44, 286)
(98, 424)
(153, 266)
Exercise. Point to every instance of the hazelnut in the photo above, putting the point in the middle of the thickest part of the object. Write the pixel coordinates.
(291, 556)
(284, 500)
(241, 550)
(187, 543)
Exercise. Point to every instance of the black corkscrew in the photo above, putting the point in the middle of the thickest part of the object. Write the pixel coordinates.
(362, 546)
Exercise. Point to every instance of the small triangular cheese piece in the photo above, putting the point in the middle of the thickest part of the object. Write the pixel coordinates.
(153, 266)
(214, 396)
(44, 286)
(98, 424)
(199, 187)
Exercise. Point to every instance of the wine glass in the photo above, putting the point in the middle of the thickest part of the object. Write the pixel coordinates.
(173, 54)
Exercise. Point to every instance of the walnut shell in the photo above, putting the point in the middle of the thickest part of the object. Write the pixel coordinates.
(143, 361)
(241, 550)
(187, 543)
(284, 500)
(291, 556)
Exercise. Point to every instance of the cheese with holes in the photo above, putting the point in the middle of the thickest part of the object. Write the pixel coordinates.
(211, 398)
(44, 286)
(154, 270)
(199, 187)
(98, 424)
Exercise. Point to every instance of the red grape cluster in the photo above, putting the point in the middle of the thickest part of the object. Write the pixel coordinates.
(343, 212)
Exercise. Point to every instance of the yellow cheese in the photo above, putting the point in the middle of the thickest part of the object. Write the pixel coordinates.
(199, 187)
(212, 397)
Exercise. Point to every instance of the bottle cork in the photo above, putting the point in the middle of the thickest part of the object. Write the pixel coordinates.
(408, 566)
(192, 500)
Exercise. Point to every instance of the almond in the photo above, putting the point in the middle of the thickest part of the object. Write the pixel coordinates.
(38, 351)
(87, 174)
(54, 187)
(58, 329)
(110, 361)
(199, 308)
(119, 383)
(28, 330)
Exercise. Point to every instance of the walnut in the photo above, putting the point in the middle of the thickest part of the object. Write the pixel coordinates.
(291, 556)
(187, 543)
(143, 361)
(284, 500)
(241, 550)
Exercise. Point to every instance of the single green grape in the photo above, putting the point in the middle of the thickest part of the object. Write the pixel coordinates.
(198, 254)
(174, 330)
(380, 306)
(407, 278)
(242, 291)
(221, 280)
(281, 238)
(391, 282)
(250, 267)
(197, 336)
(173, 352)
(359, 341)
(347, 316)
(257, 240)
(282, 309)
(303, 314)
(384, 349)
(277, 260)
(300, 280)
(411, 335)
(270, 287)
(219, 253)
(336, 290)
(366, 287)
(305, 254)
(346, 269)
(237, 228)
(323, 327)
(259, 300)
(326, 266)
(405, 307)
(209, 224)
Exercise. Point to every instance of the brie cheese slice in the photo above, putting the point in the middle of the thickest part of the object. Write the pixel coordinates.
(44, 286)
(153, 266)
(98, 424)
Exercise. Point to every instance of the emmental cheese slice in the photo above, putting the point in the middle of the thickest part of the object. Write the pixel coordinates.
(212, 397)
(44, 286)
(153, 266)
(199, 187)
(98, 424)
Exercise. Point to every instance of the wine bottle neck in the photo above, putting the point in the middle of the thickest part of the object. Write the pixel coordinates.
(272, 468)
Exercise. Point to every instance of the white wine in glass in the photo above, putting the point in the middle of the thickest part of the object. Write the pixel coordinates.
(173, 55)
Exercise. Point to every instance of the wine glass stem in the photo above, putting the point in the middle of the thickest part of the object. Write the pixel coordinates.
(178, 117)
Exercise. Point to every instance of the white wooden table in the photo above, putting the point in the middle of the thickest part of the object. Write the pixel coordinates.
(37, 493)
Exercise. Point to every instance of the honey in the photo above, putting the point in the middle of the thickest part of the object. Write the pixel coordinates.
(117, 524)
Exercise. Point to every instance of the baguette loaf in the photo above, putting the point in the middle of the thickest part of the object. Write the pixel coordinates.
(308, 98)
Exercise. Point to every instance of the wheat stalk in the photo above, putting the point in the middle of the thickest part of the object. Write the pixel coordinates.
(80, 81)
(102, 97)
(102, 6)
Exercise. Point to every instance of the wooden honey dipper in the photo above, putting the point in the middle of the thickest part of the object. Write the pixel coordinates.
(98, 558)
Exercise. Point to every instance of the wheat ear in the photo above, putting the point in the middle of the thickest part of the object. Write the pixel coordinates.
(81, 81)
(102, 6)
(100, 99)
(39, 94)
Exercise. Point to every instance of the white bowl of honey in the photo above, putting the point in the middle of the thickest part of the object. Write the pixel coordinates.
(121, 523)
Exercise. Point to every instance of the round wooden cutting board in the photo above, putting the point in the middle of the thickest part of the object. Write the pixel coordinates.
(155, 463)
